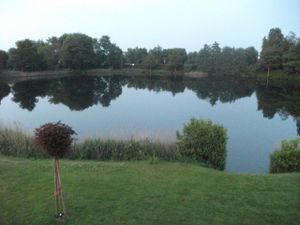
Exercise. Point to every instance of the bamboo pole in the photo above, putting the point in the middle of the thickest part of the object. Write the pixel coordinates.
(55, 187)
(58, 192)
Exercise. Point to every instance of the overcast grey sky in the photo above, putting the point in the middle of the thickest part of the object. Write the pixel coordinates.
(147, 23)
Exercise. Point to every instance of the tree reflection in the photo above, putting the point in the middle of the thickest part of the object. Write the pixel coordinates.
(78, 93)
(81, 92)
(281, 101)
(4, 91)
(174, 86)
(298, 125)
(26, 93)
(223, 90)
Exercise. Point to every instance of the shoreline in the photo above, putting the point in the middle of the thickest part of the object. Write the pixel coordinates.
(7, 74)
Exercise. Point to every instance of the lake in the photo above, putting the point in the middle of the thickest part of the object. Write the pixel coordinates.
(257, 117)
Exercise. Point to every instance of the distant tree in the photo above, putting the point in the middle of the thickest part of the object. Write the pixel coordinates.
(25, 57)
(176, 58)
(108, 54)
(251, 55)
(3, 59)
(192, 61)
(292, 64)
(154, 58)
(77, 51)
(136, 55)
(52, 51)
(205, 62)
(115, 57)
(215, 55)
(271, 56)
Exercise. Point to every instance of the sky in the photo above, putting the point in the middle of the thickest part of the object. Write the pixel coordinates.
(147, 23)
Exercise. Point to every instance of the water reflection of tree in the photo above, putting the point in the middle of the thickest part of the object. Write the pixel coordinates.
(81, 92)
(78, 93)
(280, 100)
(4, 91)
(223, 90)
(26, 93)
(172, 85)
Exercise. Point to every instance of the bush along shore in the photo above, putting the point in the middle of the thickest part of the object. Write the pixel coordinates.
(200, 142)
(14, 142)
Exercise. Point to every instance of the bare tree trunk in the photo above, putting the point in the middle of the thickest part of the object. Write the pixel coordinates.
(268, 74)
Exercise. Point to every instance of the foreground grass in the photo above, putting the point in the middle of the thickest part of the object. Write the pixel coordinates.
(144, 193)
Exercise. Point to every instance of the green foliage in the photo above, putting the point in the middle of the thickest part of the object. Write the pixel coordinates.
(136, 55)
(226, 61)
(26, 56)
(286, 159)
(155, 57)
(204, 141)
(108, 55)
(271, 55)
(292, 64)
(176, 57)
(279, 52)
(77, 51)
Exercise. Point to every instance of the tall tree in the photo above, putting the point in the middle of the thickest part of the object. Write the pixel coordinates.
(77, 51)
(25, 56)
(108, 54)
(176, 58)
(192, 61)
(205, 63)
(136, 55)
(154, 58)
(271, 56)
(292, 64)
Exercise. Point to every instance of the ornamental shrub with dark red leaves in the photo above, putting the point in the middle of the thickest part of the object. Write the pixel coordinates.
(54, 138)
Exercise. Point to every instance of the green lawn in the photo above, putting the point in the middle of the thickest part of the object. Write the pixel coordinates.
(144, 193)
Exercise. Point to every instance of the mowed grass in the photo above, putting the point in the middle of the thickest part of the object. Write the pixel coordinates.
(144, 193)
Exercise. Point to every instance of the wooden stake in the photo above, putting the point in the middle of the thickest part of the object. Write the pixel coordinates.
(58, 192)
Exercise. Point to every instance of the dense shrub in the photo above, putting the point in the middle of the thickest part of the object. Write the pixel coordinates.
(204, 141)
(287, 158)
(54, 138)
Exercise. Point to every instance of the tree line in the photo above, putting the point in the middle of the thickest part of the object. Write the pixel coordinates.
(79, 51)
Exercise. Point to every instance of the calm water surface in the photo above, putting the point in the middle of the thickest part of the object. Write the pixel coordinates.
(257, 118)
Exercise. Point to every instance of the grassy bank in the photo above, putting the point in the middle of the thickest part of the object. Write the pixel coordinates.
(144, 193)
(16, 142)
